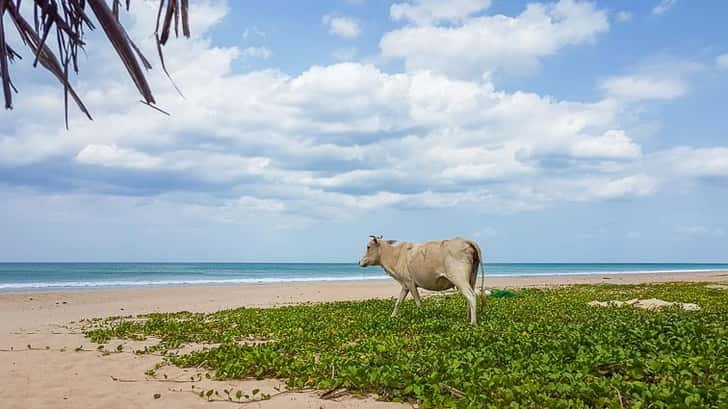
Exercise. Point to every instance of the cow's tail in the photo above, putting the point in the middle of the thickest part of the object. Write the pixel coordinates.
(479, 265)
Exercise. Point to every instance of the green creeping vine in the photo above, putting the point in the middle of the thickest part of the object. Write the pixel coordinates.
(543, 348)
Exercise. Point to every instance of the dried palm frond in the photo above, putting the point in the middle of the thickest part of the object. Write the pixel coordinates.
(68, 19)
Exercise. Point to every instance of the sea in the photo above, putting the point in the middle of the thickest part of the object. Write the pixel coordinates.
(67, 276)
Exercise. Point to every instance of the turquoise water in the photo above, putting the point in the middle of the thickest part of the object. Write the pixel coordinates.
(45, 276)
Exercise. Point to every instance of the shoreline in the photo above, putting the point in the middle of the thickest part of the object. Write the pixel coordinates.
(59, 287)
(45, 370)
(61, 306)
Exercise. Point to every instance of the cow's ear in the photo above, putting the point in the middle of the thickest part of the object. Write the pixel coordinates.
(375, 239)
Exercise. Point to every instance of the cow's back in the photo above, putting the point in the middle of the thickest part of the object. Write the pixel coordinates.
(428, 262)
(426, 257)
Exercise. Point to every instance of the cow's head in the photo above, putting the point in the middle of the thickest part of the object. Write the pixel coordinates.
(373, 255)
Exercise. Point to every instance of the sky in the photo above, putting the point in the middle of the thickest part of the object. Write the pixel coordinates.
(567, 131)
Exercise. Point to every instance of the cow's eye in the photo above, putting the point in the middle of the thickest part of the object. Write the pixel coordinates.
(369, 246)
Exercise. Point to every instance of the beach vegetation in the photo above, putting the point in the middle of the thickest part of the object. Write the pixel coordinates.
(537, 348)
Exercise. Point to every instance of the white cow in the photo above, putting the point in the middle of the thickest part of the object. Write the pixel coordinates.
(434, 265)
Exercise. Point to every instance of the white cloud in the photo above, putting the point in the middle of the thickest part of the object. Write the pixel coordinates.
(429, 11)
(663, 6)
(263, 53)
(113, 156)
(337, 140)
(253, 31)
(644, 87)
(217, 167)
(722, 61)
(489, 43)
(455, 135)
(634, 185)
(260, 205)
(623, 16)
(695, 162)
(613, 144)
(657, 78)
(342, 26)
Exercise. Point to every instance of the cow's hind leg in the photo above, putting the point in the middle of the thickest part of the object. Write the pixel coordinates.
(464, 286)
(402, 295)
(416, 295)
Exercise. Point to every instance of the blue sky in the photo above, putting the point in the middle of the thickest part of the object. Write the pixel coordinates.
(554, 131)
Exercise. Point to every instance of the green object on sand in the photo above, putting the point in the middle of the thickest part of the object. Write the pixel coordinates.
(503, 294)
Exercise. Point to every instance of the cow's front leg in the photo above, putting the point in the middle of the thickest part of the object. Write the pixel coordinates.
(402, 296)
(416, 295)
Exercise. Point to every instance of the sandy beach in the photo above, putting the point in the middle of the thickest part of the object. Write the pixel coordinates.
(49, 364)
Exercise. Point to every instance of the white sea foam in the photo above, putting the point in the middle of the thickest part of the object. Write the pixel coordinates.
(164, 283)
(20, 286)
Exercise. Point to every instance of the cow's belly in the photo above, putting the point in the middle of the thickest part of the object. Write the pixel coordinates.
(433, 282)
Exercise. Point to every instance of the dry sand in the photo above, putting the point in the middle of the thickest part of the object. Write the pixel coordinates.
(60, 377)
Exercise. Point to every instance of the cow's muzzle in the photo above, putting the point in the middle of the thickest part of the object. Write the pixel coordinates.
(363, 262)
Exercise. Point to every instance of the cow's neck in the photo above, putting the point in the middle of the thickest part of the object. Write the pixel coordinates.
(390, 259)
